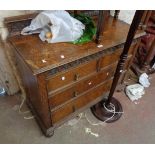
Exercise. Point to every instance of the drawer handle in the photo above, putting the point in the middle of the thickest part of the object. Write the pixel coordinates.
(89, 83)
(63, 78)
(75, 94)
(76, 77)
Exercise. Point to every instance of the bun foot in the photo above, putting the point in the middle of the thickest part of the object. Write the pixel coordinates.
(49, 133)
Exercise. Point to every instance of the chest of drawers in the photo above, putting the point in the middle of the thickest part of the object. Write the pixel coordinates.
(61, 80)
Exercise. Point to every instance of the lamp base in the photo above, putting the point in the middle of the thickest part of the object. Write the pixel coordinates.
(104, 113)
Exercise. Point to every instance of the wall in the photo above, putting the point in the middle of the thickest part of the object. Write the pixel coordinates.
(7, 77)
(8, 73)
(7, 13)
(125, 15)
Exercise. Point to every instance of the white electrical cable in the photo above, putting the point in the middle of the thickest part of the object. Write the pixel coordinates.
(96, 124)
(30, 117)
(113, 109)
(102, 123)
(25, 112)
(21, 105)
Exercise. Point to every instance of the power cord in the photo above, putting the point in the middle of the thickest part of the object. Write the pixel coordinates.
(21, 105)
(113, 110)
(102, 123)
(25, 112)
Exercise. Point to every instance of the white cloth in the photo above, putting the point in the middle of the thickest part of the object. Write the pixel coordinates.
(135, 91)
(143, 80)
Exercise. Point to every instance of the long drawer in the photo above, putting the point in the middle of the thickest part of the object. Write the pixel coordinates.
(80, 102)
(71, 75)
(82, 86)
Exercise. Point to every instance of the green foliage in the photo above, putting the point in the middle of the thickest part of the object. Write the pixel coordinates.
(90, 29)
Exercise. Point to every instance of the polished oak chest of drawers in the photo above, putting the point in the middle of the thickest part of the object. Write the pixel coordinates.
(61, 80)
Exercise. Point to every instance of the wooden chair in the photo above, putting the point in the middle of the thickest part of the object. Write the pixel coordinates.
(146, 51)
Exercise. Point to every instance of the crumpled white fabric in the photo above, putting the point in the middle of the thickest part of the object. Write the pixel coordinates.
(153, 66)
(135, 91)
(143, 80)
(64, 28)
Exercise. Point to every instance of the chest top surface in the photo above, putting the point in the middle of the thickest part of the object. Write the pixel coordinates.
(41, 56)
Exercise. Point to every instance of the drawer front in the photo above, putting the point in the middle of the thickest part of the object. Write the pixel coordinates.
(80, 102)
(110, 58)
(114, 57)
(61, 113)
(82, 86)
(71, 76)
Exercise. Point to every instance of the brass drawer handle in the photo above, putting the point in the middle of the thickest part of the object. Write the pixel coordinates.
(90, 83)
(75, 94)
(76, 77)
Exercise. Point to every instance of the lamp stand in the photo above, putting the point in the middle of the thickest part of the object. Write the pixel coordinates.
(110, 110)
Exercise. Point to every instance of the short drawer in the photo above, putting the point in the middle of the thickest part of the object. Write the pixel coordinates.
(114, 57)
(71, 75)
(110, 58)
(82, 86)
(80, 102)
